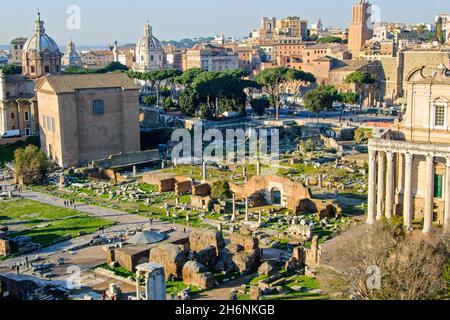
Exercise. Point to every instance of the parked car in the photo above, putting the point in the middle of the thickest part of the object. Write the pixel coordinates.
(11, 134)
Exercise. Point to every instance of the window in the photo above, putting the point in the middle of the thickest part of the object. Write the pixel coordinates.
(439, 116)
(43, 122)
(33, 69)
(47, 69)
(438, 186)
(53, 125)
(12, 115)
(27, 116)
(98, 107)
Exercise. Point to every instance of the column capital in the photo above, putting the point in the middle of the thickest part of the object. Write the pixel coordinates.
(409, 156)
(448, 161)
(372, 155)
(381, 155)
(430, 158)
(390, 155)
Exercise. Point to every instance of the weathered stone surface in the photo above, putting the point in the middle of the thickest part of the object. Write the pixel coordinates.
(247, 262)
(202, 239)
(171, 257)
(267, 269)
(255, 293)
(207, 257)
(194, 274)
(249, 242)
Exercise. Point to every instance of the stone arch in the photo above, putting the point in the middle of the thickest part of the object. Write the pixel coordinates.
(306, 206)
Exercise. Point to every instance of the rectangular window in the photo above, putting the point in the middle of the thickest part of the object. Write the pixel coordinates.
(49, 124)
(439, 116)
(47, 69)
(53, 125)
(43, 122)
(98, 107)
(27, 116)
(12, 115)
(438, 186)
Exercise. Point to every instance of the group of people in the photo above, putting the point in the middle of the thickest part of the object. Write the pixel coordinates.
(70, 203)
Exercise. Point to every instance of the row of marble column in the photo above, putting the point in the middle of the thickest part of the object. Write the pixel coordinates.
(381, 197)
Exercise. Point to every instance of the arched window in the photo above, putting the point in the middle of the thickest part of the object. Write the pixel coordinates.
(275, 196)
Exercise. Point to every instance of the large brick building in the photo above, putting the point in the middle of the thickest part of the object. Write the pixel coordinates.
(87, 117)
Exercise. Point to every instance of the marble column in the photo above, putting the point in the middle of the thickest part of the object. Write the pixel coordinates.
(429, 195)
(233, 218)
(390, 185)
(447, 198)
(381, 192)
(372, 187)
(138, 286)
(247, 218)
(204, 172)
(408, 193)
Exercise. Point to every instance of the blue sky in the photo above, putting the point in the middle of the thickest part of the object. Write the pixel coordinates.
(103, 21)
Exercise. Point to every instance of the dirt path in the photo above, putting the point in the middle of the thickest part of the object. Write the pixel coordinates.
(223, 291)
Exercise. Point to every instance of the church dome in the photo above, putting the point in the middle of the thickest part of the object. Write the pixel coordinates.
(71, 58)
(149, 43)
(40, 42)
(149, 52)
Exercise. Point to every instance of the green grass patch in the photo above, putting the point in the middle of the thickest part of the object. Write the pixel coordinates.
(47, 224)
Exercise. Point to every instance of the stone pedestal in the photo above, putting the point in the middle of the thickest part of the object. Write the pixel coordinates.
(155, 283)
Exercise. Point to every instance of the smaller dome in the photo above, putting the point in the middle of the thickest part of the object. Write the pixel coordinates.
(71, 58)
(40, 42)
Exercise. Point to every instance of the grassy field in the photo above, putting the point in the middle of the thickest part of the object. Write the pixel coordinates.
(46, 224)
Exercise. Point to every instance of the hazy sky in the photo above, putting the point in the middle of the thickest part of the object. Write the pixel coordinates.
(103, 21)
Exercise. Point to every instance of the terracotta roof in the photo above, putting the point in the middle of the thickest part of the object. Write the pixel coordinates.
(72, 82)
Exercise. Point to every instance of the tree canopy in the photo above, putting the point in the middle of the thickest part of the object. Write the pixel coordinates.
(11, 69)
(360, 78)
(259, 106)
(330, 39)
(30, 165)
(112, 67)
(273, 80)
(321, 99)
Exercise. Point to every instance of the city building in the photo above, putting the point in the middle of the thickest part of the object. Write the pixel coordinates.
(292, 27)
(409, 167)
(211, 58)
(174, 57)
(87, 117)
(71, 58)
(96, 59)
(17, 50)
(149, 52)
(359, 31)
(18, 104)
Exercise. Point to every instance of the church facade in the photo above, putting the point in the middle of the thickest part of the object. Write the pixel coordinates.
(409, 168)
(18, 104)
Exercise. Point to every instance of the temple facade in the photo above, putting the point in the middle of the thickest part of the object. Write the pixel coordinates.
(409, 167)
